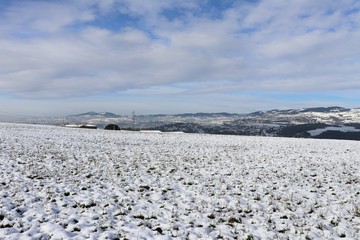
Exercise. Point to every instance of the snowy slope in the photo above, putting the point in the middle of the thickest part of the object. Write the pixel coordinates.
(63, 183)
(337, 128)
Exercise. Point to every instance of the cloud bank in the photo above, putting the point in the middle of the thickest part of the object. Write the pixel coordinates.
(64, 49)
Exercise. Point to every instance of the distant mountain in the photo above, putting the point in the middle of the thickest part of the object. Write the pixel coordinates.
(96, 114)
(325, 109)
(200, 115)
(258, 113)
(207, 115)
(318, 122)
(304, 110)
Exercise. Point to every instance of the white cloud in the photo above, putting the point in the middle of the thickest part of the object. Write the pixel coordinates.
(272, 45)
(40, 16)
(152, 8)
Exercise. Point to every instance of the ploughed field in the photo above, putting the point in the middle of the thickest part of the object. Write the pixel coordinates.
(60, 183)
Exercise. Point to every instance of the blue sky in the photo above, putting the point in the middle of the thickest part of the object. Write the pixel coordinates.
(162, 56)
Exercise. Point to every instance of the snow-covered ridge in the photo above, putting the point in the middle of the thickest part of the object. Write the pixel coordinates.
(330, 115)
(64, 183)
(289, 123)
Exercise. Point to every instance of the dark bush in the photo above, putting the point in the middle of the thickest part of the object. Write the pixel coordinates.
(112, 127)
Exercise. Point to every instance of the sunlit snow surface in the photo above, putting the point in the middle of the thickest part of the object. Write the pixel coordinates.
(61, 183)
(337, 128)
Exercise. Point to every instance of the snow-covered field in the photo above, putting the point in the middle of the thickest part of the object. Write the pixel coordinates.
(61, 183)
(337, 128)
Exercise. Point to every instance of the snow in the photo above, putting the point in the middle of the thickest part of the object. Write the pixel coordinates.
(336, 128)
(150, 131)
(72, 126)
(64, 183)
(352, 116)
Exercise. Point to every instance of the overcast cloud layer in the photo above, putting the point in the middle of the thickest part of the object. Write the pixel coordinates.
(141, 51)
